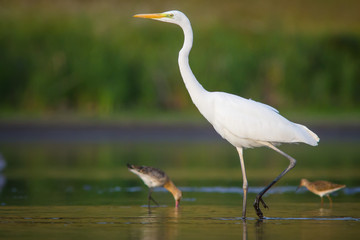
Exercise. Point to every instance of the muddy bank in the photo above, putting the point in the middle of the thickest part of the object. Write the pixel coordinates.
(98, 132)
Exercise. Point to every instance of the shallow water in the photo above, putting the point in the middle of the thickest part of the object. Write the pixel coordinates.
(52, 190)
(188, 222)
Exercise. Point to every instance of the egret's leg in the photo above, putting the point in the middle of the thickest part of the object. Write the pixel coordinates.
(259, 196)
(244, 229)
(245, 182)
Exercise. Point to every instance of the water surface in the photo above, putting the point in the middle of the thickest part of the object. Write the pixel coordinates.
(77, 190)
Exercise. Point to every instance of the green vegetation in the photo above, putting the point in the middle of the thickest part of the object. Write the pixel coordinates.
(94, 59)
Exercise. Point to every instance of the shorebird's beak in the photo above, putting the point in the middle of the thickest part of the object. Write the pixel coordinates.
(177, 203)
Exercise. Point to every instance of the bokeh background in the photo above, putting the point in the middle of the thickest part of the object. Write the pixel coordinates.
(91, 59)
(86, 88)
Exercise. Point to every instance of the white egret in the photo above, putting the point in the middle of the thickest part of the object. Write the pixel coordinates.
(243, 122)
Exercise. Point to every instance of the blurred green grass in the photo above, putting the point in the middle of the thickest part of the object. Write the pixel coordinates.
(93, 59)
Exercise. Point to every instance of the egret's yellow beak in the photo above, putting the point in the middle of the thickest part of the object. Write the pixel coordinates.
(152, 15)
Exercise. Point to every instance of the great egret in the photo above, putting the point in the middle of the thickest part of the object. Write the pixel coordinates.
(243, 122)
(153, 177)
(321, 188)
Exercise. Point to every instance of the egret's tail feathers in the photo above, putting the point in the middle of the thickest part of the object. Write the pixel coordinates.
(311, 138)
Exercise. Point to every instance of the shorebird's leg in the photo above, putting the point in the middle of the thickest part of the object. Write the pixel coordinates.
(154, 201)
(151, 198)
(259, 196)
(245, 182)
(322, 201)
(329, 200)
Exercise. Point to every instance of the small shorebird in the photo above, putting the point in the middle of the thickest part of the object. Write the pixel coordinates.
(153, 177)
(321, 188)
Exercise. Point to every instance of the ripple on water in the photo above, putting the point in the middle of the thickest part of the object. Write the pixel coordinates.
(294, 218)
(213, 189)
(221, 189)
(316, 218)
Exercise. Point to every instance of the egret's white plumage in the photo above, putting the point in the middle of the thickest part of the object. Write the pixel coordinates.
(250, 123)
(243, 122)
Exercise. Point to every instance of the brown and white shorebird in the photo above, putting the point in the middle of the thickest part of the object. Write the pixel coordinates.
(321, 188)
(153, 177)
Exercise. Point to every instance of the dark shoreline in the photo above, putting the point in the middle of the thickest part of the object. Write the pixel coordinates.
(12, 132)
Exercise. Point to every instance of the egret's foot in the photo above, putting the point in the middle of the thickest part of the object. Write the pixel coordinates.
(259, 213)
(264, 204)
(257, 208)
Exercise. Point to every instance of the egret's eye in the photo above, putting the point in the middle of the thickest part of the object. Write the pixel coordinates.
(170, 15)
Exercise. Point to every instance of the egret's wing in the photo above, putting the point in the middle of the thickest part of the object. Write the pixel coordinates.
(235, 116)
(260, 104)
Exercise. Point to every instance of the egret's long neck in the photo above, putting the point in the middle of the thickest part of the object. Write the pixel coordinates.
(194, 88)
